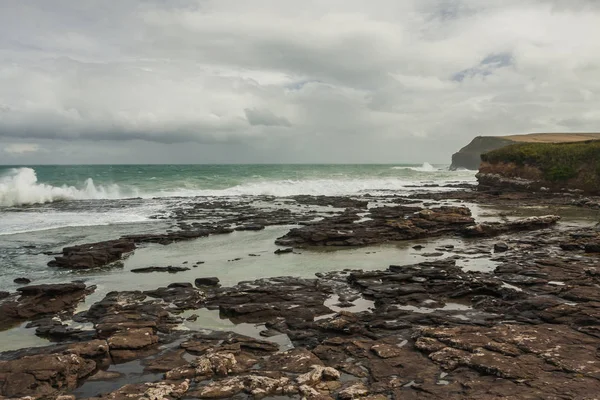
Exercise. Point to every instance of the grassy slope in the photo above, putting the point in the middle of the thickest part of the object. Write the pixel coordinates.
(557, 161)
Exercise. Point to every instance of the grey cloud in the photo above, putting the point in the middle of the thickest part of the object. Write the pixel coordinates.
(342, 80)
(486, 66)
(265, 117)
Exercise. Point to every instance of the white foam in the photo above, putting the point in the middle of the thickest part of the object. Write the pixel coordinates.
(20, 186)
(426, 167)
(23, 222)
(329, 187)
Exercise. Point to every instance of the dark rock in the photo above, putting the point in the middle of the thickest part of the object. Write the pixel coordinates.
(41, 300)
(296, 360)
(284, 251)
(498, 228)
(592, 248)
(4, 295)
(435, 254)
(122, 311)
(182, 297)
(55, 330)
(22, 281)
(208, 342)
(571, 246)
(43, 376)
(102, 375)
(250, 227)
(170, 269)
(333, 201)
(500, 247)
(165, 362)
(150, 390)
(93, 255)
(270, 298)
(132, 339)
(210, 281)
(503, 352)
(52, 290)
(180, 285)
(171, 237)
(385, 224)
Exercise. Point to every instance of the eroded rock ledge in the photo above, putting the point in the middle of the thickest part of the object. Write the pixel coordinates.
(423, 331)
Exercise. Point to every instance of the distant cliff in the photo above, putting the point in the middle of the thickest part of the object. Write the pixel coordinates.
(469, 157)
(543, 166)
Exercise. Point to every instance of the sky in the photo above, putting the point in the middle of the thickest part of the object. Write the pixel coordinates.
(281, 81)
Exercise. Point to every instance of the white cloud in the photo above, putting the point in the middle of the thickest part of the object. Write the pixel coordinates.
(379, 81)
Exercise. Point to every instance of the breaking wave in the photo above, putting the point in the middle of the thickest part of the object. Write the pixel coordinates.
(426, 167)
(20, 186)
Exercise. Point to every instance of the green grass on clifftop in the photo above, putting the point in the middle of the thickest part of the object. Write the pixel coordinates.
(557, 161)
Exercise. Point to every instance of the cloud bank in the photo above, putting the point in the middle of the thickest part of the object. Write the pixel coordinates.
(275, 81)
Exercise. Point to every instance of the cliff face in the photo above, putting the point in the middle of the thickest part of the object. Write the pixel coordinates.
(469, 157)
(543, 166)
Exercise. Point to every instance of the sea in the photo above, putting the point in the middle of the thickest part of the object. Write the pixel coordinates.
(46, 208)
(42, 198)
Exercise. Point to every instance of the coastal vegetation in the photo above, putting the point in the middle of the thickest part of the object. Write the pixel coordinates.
(469, 157)
(557, 162)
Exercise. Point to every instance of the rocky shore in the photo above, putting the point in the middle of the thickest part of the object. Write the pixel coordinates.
(528, 327)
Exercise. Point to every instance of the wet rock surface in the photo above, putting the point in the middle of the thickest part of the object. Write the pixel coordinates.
(380, 225)
(527, 326)
(43, 376)
(37, 301)
(93, 255)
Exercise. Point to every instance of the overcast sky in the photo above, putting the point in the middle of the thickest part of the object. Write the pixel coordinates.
(200, 81)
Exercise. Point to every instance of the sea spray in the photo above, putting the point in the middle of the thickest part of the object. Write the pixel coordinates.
(20, 186)
(426, 167)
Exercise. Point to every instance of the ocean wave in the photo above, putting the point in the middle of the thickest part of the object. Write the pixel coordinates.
(289, 187)
(426, 167)
(20, 186)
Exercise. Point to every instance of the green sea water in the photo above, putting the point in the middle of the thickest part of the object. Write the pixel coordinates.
(43, 184)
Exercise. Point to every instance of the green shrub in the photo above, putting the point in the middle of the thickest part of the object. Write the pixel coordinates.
(557, 161)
